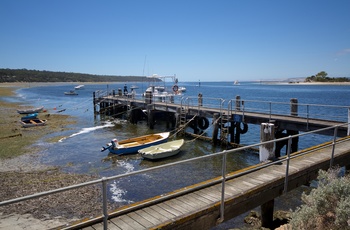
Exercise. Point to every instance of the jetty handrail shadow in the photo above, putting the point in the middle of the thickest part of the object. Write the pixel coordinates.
(224, 176)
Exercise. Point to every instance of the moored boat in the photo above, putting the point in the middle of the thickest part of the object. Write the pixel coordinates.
(72, 92)
(164, 150)
(32, 122)
(132, 145)
(30, 116)
(29, 111)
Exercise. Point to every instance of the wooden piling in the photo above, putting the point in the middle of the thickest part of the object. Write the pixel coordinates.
(294, 107)
(238, 103)
(267, 133)
(216, 128)
(267, 214)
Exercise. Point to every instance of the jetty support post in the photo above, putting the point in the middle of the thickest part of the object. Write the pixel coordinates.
(238, 103)
(267, 133)
(150, 114)
(216, 128)
(294, 107)
(267, 214)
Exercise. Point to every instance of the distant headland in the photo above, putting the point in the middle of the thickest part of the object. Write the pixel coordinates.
(25, 75)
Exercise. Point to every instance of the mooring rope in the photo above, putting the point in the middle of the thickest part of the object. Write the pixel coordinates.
(183, 126)
(204, 131)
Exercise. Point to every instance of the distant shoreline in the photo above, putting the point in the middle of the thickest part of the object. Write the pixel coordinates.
(303, 83)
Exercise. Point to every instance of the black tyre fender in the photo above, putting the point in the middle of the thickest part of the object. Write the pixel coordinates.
(203, 123)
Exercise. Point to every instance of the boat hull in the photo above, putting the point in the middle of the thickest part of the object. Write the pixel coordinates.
(132, 145)
(160, 151)
(28, 111)
(32, 123)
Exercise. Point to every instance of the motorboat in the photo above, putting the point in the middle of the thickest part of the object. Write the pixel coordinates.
(30, 111)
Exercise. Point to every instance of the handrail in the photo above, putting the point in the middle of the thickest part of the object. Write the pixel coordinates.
(224, 153)
(305, 110)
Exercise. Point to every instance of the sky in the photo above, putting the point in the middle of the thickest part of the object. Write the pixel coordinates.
(223, 40)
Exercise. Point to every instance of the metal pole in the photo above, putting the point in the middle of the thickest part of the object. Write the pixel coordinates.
(333, 145)
(270, 110)
(222, 205)
(287, 168)
(104, 194)
(307, 115)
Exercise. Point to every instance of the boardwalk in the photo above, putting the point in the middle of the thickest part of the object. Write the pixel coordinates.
(200, 207)
(284, 122)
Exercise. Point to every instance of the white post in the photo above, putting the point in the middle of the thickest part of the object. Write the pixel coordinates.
(267, 133)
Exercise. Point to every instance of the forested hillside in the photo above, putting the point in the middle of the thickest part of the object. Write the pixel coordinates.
(24, 75)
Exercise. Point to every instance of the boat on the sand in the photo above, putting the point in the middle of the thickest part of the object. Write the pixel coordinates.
(29, 111)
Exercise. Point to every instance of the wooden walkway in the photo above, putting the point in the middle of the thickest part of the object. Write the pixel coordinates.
(284, 122)
(200, 209)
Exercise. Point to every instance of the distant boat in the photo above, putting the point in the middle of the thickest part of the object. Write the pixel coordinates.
(236, 82)
(167, 149)
(72, 92)
(30, 116)
(29, 111)
(79, 87)
(32, 122)
(132, 145)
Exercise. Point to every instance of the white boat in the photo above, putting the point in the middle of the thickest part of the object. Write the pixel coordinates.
(79, 87)
(236, 82)
(160, 151)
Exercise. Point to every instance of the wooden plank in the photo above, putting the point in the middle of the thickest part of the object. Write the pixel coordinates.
(190, 205)
(131, 222)
(178, 205)
(155, 214)
(119, 222)
(140, 219)
(162, 211)
(209, 195)
(201, 198)
(170, 209)
(147, 216)
(194, 202)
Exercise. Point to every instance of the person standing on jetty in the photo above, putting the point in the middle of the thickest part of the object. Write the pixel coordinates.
(125, 90)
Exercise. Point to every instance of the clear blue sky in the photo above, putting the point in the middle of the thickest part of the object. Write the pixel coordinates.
(222, 40)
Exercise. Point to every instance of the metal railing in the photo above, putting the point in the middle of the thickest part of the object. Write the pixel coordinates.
(307, 111)
(103, 181)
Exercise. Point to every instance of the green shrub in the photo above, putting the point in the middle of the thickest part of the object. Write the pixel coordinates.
(327, 206)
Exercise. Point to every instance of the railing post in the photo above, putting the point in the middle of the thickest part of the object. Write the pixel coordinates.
(270, 109)
(307, 119)
(287, 168)
(348, 121)
(222, 204)
(104, 194)
(333, 145)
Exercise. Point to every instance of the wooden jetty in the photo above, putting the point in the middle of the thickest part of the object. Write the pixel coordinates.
(200, 207)
(229, 122)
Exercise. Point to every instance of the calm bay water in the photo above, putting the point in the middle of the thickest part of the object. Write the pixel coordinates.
(79, 148)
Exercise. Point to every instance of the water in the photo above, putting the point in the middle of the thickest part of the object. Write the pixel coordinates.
(78, 149)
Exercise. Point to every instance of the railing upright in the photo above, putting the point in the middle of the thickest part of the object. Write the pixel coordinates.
(105, 209)
(333, 145)
(287, 168)
(222, 204)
